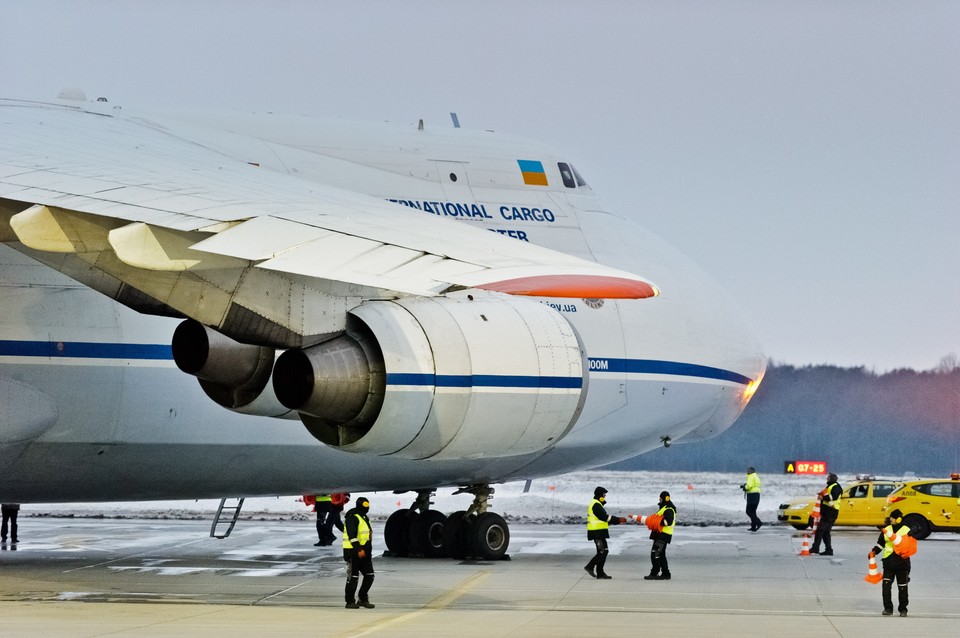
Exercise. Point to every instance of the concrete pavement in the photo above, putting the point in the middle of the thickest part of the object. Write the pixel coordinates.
(85, 578)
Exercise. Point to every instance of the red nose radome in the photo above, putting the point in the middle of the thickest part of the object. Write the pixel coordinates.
(573, 286)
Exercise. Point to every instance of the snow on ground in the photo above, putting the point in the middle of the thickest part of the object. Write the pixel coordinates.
(702, 498)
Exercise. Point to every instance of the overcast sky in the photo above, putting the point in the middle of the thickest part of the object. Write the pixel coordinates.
(805, 153)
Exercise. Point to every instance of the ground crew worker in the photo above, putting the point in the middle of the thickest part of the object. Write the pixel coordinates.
(829, 510)
(598, 522)
(661, 537)
(324, 509)
(358, 553)
(751, 490)
(338, 501)
(894, 565)
(9, 513)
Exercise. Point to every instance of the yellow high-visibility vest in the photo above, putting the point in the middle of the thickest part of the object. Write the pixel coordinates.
(667, 529)
(363, 534)
(832, 503)
(887, 545)
(753, 483)
(594, 523)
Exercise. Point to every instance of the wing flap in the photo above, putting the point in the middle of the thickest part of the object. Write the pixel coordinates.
(150, 248)
(60, 231)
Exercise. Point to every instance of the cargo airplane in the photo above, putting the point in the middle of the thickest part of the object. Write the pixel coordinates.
(214, 305)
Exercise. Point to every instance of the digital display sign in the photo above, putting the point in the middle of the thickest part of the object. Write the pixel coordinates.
(804, 467)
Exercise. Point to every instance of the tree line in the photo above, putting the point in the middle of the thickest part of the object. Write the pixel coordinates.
(856, 420)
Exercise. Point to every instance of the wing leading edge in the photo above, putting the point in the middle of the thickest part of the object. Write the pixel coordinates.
(221, 241)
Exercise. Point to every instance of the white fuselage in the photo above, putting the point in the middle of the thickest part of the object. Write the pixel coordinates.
(97, 410)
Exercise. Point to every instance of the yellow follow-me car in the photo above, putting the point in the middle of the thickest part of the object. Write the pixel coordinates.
(928, 505)
(862, 503)
(931, 505)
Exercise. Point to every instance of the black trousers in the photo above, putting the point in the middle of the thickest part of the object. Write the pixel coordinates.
(828, 516)
(753, 502)
(9, 518)
(600, 558)
(658, 558)
(897, 568)
(325, 517)
(357, 567)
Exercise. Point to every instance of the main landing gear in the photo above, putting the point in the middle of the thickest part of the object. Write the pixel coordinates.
(473, 533)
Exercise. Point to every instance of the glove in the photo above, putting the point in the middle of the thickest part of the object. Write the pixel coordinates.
(744, 487)
(361, 553)
(623, 520)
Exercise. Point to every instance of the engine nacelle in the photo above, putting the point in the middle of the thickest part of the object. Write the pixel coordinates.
(235, 375)
(423, 377)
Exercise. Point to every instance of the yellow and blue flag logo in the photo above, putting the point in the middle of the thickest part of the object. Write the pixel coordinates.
(533, 173)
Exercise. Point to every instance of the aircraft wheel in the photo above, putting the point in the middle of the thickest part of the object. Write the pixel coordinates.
(396, 532)
(489, 537)
(919, 525)
(426, 534)
(455, 535)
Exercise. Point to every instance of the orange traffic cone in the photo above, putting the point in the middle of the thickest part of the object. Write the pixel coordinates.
(905, 546)
(805, 548)
(652, 521)
(815, 514)
(873, 575)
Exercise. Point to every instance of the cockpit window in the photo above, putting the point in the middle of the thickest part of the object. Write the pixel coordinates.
(580, 180)
(571, 177)
(567, 174)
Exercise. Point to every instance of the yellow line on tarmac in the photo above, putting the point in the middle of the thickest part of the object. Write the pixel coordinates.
(440, 602)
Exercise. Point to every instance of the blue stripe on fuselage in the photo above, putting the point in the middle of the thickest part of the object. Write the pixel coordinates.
(653, 366)
(158, 352)
(482, 381)
(85, 350)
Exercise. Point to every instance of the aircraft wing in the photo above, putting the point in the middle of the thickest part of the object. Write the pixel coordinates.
(155, 202)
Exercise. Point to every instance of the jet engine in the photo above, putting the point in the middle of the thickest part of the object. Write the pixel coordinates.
(235, 375)
(444, 378)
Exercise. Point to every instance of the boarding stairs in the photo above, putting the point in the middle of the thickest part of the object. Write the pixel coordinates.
(226, 518)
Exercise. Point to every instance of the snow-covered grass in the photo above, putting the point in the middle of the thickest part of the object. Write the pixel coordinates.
(702, 498)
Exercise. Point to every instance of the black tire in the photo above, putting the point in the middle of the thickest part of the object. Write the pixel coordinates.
(489, 537)
(426, 534)
(918, 524)
(455, 535)
(803, 527)
(396, 532)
